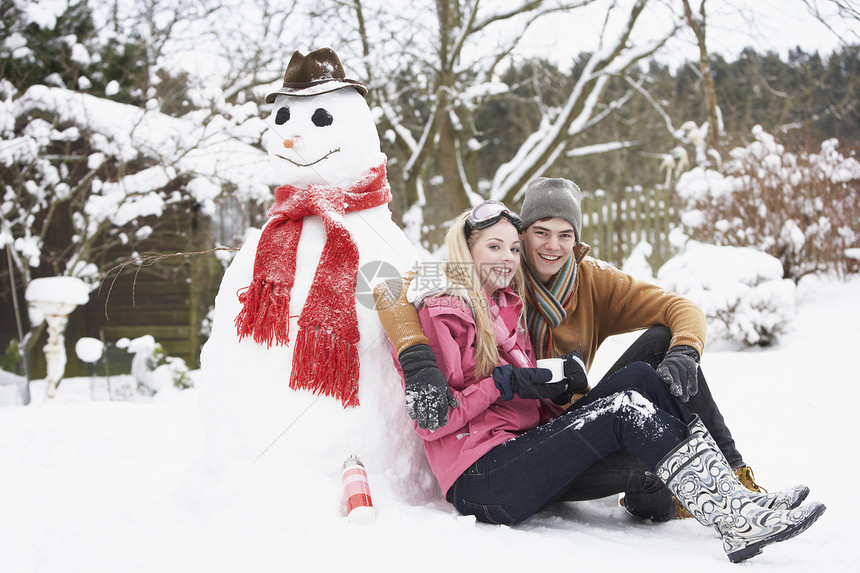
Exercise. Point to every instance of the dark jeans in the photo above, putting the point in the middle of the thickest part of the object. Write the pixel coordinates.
(632, 411)
(644, 494)
(651, 347)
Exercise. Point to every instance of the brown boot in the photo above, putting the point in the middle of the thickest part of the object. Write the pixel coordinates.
(747, 479)
(681, 511)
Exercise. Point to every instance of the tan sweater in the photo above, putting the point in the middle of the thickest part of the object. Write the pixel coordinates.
(607, 302)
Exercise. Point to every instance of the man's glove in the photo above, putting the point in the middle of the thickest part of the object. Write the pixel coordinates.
(528, 383)
(680, 371)
(427, 393)
(574, 373)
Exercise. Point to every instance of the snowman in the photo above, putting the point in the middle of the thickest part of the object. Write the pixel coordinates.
(298, 374)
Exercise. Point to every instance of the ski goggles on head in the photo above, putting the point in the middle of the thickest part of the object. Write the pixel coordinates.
(488, 214)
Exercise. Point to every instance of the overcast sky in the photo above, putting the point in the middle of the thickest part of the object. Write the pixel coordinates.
(765, 25)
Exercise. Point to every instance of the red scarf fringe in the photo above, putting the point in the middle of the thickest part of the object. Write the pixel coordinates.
(265, 313)
(325, 364)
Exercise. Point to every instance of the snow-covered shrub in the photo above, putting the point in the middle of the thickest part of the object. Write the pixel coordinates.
(637, 265)
(153, 369)
(11, 359)
(802, 208)
(740, 289)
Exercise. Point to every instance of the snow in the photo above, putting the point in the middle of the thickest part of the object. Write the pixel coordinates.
(89, 349)
(58, 289)
(44, 13)
(241, 473)
(244, 473)
(118, 486)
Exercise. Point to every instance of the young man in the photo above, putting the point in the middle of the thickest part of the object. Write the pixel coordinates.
(575, 302)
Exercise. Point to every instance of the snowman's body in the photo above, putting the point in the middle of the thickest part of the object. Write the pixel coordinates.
(252, 419)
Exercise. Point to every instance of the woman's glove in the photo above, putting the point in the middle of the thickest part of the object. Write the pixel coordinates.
(428, 396)
(680, 371)
(528, 383)
(574, 373)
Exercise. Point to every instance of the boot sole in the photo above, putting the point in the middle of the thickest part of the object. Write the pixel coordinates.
(755, 548)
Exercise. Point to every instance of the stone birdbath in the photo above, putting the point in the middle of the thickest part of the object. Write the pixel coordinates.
(52, 299)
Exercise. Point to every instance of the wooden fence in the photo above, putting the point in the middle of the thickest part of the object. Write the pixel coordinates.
(615, 222)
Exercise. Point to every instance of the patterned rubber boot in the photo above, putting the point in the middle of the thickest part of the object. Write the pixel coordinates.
(780, 500)
(699, 478)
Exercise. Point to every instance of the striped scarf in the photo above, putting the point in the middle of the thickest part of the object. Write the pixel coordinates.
(547, 304)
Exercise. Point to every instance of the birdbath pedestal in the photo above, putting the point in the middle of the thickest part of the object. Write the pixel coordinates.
(53, 299)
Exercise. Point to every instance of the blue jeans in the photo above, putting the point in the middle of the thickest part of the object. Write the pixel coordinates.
(632, 411)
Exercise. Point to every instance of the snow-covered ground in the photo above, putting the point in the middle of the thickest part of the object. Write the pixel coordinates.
(96, 485)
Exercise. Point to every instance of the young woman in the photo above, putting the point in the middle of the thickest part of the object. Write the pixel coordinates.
(508, 450)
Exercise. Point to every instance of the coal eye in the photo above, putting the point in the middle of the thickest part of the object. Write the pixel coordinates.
(321, 118)
(283, 116)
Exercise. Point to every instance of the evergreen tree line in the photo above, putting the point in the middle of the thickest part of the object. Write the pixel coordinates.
(803, 101)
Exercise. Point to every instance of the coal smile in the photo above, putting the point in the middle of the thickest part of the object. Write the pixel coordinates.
(297, 164)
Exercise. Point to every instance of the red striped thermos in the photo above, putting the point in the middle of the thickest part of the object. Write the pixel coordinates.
(356, 489)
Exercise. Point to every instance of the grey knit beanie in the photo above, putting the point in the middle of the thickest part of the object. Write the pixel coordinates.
(547, 198)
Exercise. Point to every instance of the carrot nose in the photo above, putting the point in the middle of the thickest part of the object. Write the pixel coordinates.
(290, 143)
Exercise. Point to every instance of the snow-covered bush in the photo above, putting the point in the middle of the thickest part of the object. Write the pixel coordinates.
(802, 208)
(740, 289)
(637, 265)
(152, 368)
(11, 359)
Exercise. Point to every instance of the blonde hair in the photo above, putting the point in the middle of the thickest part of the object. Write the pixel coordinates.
(460, 270)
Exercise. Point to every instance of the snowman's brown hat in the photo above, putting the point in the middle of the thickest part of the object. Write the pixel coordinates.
(316, 73)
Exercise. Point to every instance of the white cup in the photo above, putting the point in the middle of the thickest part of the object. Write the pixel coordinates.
(556, 365)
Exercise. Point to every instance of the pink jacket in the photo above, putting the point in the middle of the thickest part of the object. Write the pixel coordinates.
(483, 420)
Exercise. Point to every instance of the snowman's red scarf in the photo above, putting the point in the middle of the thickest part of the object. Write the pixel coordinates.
(325, 357)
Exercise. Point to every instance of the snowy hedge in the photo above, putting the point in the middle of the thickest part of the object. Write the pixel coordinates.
(740, 289)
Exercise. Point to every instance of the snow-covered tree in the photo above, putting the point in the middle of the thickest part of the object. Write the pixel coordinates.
(431, 82)
(111, 170)
(89, 158)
